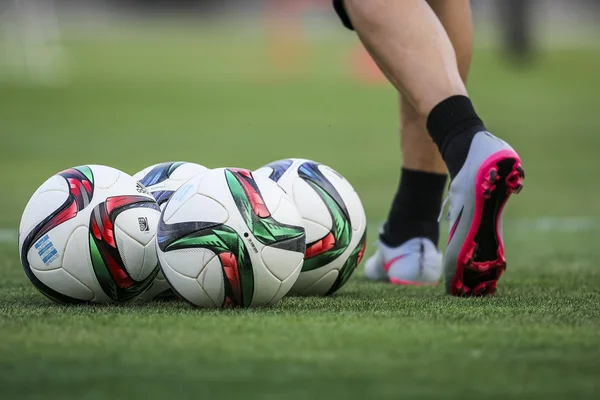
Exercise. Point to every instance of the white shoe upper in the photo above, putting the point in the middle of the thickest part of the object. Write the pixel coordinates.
(417, 261)
(462, 197)
(462, 188)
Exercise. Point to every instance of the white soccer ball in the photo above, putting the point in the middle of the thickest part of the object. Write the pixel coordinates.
(333, 217)
(88, 234)
(162, 180)
(226, 239)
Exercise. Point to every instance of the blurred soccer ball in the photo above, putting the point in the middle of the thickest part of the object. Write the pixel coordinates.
(226, 239)
(162, 180)
(333, 217)
(88, 234)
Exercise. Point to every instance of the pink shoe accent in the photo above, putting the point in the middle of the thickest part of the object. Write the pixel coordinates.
(486, 182)
(401, 282)
(388, 264)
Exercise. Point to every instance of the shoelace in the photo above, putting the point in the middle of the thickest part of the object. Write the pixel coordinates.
(445, 205)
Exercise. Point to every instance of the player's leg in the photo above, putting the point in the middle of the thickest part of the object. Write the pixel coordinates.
(419, 152)
(414, 50)
(412, 228)
(411, 46)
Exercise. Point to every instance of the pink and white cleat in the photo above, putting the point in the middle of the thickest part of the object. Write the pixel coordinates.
(417, 262)
(474, 259)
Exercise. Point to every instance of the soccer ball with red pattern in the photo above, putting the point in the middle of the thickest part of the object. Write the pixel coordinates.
(333, 217)
(88, 235)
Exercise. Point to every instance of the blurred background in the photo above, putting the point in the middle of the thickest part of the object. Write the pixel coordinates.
(130, 83)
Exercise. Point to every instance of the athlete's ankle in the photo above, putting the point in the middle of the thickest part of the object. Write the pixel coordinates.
(415, 208)
(452, 125)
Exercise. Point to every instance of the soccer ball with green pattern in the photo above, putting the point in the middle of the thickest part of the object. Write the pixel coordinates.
(333, 217)
(88, 234)
(228, 239)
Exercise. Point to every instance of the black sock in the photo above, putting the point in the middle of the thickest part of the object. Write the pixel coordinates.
(415, 209)
(452, 125)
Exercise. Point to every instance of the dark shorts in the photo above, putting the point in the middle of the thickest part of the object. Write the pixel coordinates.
(340, 9)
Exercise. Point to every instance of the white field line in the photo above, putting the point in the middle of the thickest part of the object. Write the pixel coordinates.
(527, 225)
(552, 224)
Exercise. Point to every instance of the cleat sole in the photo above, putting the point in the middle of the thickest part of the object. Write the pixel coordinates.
(481, 260)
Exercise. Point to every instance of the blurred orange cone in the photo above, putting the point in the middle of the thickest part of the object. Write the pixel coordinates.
(288, 46)
(365, 69)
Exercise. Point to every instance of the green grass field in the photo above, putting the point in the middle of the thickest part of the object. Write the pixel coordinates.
(135, 101)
